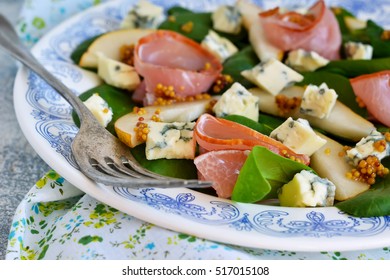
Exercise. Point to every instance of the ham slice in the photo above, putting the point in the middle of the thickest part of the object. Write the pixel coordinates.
(171, 59)
(374, 90)
(317, 30)
(213, 134)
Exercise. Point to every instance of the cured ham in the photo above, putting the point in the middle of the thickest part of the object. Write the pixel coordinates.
(209, 169)
(173, 60)
(374, 91)
(213, 134)
(317, 30)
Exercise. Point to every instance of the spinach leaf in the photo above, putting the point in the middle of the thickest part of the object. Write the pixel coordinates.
(262, 174)
(354, 68)
(246, 58)
(265, 125)
(371, 203)
(340, 14)
(340, 84)
(201, 24)
(81, 49)
(119, 100)
(371, 34)
(178, 168)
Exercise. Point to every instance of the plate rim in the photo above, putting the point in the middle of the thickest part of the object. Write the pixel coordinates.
(105, 194)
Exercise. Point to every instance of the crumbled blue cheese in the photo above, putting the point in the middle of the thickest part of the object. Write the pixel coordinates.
(237, 100)
(298, 136)
(170, 140)
(144, 15)
(302, 60)
(365, 147)
(227, 19)
(318, 101)
(272, 75)
(221, 47)
(307, 189)
(117, 74)
(99, 108)
(357, 50)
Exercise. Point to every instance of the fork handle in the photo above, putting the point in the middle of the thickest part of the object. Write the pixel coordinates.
(10, 42)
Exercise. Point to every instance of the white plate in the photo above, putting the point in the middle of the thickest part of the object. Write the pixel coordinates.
(45, 119)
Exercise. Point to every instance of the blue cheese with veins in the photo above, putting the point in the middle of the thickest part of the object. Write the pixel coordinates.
(144, 15)
(318, 101)
(221, 47)
(307, 189)
(366, 147)
(272, 76)
(99, 108)
(170, 140)
(298, 136)
(237, 100)
(117, 74)
(227, 19)
(357, 50)
(302, 60)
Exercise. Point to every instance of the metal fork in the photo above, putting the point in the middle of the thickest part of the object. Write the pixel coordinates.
(100, 156)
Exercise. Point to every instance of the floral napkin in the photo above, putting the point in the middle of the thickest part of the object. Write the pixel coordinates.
(57, 221)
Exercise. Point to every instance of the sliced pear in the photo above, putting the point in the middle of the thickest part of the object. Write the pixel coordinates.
(328, 164)
(109, 45)
(342, 121)
(179, 112)
(354, 24)
(251, 21)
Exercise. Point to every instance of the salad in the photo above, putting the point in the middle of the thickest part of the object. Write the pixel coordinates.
(268, 105)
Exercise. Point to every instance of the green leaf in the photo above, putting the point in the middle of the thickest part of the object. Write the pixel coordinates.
(43, 252)
(178, 168)
(202, 23)
(262, 174)
(245, 59)
(265, 125)
(38, 23)
(354, 68)
(88, 239)
(119, 100)
(371, 203)
(260, 127)
(81, 49)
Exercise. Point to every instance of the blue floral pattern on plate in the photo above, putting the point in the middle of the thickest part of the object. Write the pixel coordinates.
(53, 123)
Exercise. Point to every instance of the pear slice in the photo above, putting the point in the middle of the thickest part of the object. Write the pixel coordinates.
(179, 112)
(342, 121)
(251, 21)
(109, 45)
(328, 164)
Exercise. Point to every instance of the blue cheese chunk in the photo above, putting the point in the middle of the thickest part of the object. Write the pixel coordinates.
(298, 136)
(221, 47)
(357, 50)
(307, 189)
(144, 15)
(117, 74)
(237, 100)
(365, 147)
(302, 60)
(318, 101)
(272, 75)
(170, 140)
(99, 108)
(227, 19)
